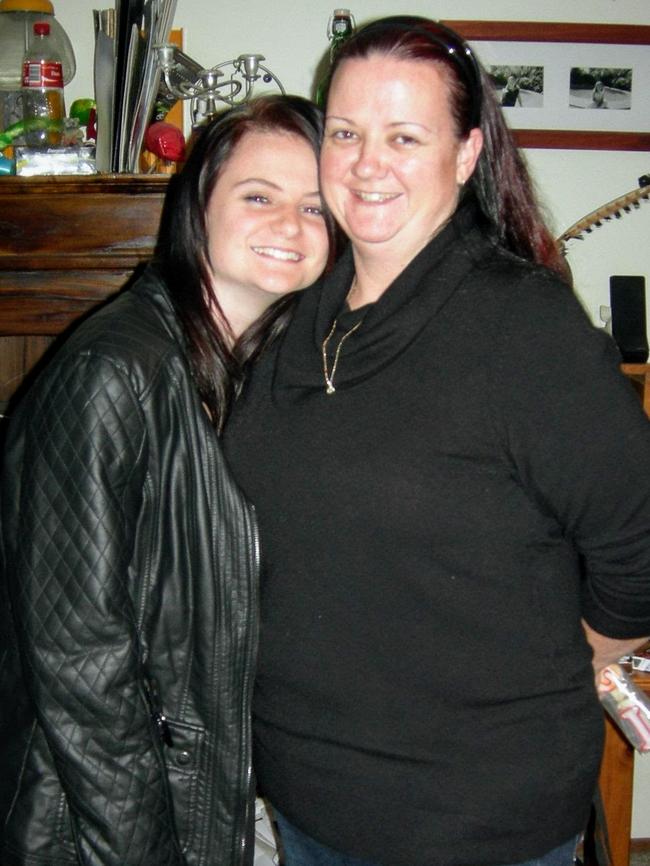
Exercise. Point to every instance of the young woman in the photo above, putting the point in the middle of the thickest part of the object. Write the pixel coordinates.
(510, 93)
(450, 474)
(129, 599)
(598, 96)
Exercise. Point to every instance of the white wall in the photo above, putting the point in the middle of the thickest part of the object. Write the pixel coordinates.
(571, 183)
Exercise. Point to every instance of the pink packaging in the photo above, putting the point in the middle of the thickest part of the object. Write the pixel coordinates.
(627, 705)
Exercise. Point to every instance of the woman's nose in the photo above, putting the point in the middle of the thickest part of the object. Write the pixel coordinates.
(370, 162)
(287, 222)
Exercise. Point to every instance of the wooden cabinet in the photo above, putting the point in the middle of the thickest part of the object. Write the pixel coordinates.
(639, 375)
(66, 244)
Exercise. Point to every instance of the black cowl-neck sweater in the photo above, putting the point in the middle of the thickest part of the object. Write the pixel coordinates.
(432, 534)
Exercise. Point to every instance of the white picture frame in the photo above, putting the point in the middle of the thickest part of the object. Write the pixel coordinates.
(569, 59)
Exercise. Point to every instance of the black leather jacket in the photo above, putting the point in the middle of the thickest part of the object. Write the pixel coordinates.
(131, 564)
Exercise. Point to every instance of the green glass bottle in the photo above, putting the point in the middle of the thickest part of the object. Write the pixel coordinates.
(339, 29)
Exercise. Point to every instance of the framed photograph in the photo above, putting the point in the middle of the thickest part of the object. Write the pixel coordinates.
(568, 86)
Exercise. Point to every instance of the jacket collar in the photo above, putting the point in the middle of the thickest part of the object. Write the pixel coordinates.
(152, 286)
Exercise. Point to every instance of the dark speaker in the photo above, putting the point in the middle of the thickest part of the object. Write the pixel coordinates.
(627, 301)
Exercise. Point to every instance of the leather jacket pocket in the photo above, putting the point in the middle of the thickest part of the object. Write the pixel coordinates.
(183, 760)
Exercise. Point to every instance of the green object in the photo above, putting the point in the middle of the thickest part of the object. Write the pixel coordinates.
(80, 109)
(340, 28)
(11, 133)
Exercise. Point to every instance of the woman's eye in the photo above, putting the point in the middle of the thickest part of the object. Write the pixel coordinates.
(343, 134)
(313, 210)
(407, 140)
(257, 199)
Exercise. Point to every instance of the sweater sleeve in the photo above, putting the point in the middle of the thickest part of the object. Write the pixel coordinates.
(580, 443)
(80, 476)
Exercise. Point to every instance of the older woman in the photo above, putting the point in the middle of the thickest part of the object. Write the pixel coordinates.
(129, 592)
(451, 474)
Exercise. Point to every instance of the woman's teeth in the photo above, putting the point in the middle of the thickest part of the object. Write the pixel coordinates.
(275, 253)
(373, 197)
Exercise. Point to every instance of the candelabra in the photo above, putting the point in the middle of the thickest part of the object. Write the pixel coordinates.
(184, 78)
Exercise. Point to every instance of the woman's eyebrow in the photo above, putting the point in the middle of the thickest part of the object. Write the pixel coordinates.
(257, 180)
(338, 117)
(394, 123)
(264, 182)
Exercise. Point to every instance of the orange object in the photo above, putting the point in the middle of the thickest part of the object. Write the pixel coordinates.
(43, 6)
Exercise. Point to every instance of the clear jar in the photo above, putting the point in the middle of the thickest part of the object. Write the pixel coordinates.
(17, 19)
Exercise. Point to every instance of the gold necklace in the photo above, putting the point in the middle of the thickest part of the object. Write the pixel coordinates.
(329, 377)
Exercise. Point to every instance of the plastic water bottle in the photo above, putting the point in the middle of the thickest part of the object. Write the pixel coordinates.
(339, 29)
(42, 90)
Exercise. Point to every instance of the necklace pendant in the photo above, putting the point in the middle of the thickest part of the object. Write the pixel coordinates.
(329, 375)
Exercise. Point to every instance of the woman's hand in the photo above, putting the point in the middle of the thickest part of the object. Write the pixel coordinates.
(607, 649)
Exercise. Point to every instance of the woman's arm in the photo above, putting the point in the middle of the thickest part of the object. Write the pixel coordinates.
(73, 590)
(581, 445)
(607, 649)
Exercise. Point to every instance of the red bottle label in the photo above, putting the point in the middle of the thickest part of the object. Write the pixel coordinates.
(42, 73)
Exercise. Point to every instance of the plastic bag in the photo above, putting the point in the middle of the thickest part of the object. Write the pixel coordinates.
(627, 705)
(266, 853)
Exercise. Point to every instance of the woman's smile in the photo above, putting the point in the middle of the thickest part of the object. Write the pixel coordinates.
(375, 197)
(278, 254)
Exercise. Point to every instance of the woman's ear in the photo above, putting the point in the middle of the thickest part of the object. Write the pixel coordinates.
(468, 154)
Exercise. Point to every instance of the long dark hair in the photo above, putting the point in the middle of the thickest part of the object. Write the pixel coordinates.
(501, 182)
(182, 256)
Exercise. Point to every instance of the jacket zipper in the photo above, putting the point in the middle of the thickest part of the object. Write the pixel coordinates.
(249, 677)
(156, 710)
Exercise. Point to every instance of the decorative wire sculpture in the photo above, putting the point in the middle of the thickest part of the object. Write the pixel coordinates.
(184, 78)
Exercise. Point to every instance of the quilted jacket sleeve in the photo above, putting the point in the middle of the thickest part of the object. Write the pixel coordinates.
(82, 482)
